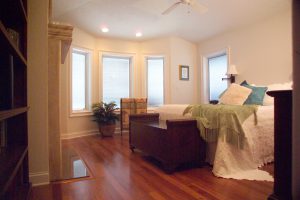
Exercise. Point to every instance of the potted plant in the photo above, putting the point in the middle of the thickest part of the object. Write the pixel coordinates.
(104, 114)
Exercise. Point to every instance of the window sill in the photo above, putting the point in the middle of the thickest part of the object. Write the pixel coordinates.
(151, 109)
(81, 113)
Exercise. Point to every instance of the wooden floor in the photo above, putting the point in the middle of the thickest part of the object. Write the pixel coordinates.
(118, 174)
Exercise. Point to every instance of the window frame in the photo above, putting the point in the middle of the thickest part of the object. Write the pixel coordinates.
(164, 78)
(204, 82)
(88, 65)
(208, 71)
(129, 56)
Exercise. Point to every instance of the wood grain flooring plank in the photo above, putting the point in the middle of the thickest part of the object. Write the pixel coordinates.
(117, 174)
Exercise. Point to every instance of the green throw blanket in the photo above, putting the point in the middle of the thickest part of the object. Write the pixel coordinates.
(223, 121)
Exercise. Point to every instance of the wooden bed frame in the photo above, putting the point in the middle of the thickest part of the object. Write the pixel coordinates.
(178, 142)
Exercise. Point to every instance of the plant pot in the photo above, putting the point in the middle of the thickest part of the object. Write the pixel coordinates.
(107, 130)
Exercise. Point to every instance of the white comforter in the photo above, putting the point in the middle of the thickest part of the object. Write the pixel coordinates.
(229, 161)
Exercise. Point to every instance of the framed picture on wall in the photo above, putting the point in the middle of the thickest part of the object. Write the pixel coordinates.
(184, 72)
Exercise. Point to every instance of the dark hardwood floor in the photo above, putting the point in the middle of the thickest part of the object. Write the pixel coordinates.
(118, 174)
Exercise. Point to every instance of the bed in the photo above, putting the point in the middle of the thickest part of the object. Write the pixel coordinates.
(230, 161)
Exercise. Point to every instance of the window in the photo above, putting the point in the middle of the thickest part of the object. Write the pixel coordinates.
(116, 78)
(217, 68)
(155, 81)
(80, 80)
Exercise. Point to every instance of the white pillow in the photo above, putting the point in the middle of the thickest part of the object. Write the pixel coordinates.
(235, 95)
(268, 100)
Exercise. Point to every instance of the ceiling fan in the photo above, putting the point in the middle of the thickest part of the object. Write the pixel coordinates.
(191, 3)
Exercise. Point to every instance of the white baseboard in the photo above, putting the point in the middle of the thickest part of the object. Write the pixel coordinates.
(39, 178)
(66, 136)
(118, 130)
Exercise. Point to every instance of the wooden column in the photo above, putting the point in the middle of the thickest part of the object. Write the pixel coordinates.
(283, 145)
(296, 101)
(59, 41)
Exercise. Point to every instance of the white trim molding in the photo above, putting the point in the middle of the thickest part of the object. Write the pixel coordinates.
(88, 69)
(167, 72)
(81, 113)
(39, 178)
(145, 74)
(204, 98)
(66, 136)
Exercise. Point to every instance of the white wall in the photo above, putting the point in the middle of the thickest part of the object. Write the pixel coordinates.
(38, 91)
(180, 92)
(183, 53)
(262, 51)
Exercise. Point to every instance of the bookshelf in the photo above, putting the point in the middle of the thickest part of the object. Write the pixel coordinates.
(14, 178)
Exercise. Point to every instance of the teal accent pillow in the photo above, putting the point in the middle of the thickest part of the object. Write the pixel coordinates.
(257, 95)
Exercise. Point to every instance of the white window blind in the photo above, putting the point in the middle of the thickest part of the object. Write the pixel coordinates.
(116, 78)
(155, 81)
(217, 68)
(79, 80)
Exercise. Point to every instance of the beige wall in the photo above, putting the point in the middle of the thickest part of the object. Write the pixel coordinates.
(82, 125)
(183, 53)
(38, 90)
(262, 52)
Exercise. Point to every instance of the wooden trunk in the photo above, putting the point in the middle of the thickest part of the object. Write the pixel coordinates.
(176, 143)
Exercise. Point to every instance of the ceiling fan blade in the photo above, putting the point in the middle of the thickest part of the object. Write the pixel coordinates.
(198, 7)
(171, 8)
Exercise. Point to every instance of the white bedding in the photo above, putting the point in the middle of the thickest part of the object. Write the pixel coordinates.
(229, 161)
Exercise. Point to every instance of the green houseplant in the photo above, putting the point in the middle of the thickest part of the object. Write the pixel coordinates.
(104, 114)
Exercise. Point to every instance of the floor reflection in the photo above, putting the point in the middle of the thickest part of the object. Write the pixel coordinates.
(72, 166)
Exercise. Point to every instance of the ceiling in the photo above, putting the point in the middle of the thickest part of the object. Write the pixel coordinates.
(125, 17)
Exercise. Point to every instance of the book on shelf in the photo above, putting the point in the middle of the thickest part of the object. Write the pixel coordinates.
(3, 135)
(11, 66)
(7, 82)
(14, 36)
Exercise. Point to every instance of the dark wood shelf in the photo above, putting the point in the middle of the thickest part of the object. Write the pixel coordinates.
(14, 169)
(24, 191)
(279, 93)
(15, 11)
(23, 9)
(11, 159)
(10, 44)
(11, 113)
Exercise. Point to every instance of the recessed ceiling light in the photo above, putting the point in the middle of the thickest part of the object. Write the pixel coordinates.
(104, 29)
(138, 34)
